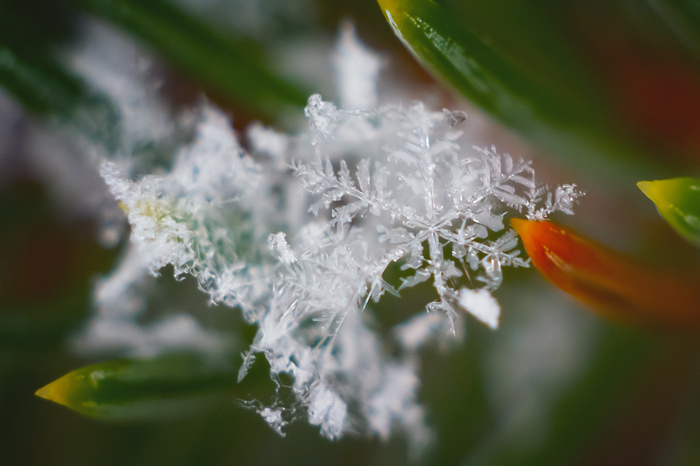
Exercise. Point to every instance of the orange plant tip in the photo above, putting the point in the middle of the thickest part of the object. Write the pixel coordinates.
(615, 286)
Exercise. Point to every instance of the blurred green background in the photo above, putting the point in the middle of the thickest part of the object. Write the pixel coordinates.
(554, 385)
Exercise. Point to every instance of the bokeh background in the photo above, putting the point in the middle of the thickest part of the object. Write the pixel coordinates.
(554, 385)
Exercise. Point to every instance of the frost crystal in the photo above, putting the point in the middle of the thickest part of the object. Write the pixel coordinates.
(299, 236)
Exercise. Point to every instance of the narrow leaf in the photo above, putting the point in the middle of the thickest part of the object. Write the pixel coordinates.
(616, 286)
(151, 389)
(512, 60)
(678, 202)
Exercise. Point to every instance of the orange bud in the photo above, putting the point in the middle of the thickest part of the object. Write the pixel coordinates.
(617, 287)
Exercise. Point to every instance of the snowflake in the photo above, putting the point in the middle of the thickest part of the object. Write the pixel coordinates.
(416, 198)
(420, 199)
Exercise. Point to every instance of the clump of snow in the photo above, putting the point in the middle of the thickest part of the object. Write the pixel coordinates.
(298, 237)
(481, 305)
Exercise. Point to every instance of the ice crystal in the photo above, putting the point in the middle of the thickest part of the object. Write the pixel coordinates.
(298, 234)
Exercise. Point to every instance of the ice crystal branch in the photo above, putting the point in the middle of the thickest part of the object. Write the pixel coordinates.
(298, 232)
